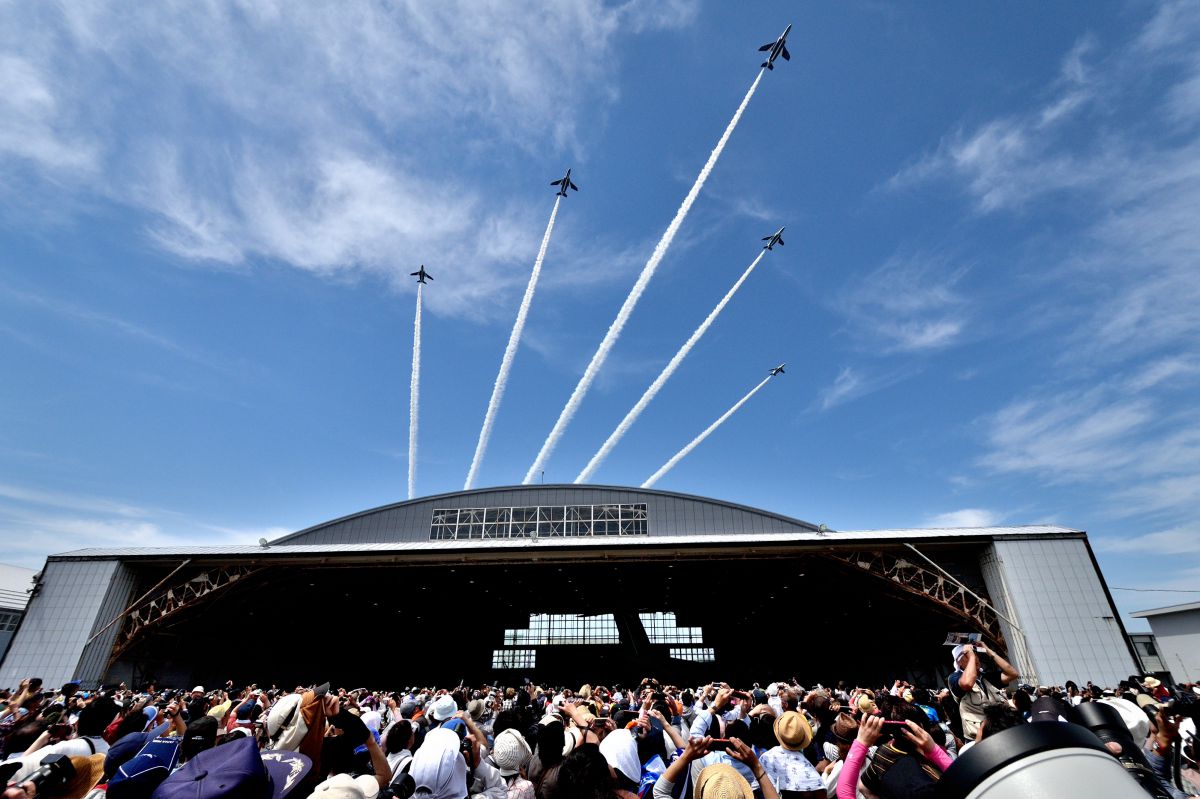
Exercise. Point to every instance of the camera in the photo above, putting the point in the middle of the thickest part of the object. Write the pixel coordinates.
(53, 774)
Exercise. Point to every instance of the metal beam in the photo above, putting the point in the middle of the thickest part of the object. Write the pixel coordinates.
(157, 607)
(949, 594)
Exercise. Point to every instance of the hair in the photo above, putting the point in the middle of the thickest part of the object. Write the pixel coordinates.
(687, 698)
(1023, 702)
(998, 717)
(550, 743)
(820, 706)
(96, 717)
(397, 737)
(23, 734)
(133, 722)
(896, 709)
(584, 774)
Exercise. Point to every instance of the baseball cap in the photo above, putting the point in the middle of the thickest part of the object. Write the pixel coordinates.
(201, 734)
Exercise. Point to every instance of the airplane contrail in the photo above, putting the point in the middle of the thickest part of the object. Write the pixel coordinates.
(510, 352)
(663, 377)
(414, 396)
(614, 330)
(678, 456)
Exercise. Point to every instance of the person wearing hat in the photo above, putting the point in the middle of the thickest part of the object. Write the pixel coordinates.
(975, 683)
(786, 764)
(719, 780)
(511, 754)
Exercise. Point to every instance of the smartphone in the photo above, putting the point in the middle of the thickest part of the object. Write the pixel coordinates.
(901, 723)
(718, 744)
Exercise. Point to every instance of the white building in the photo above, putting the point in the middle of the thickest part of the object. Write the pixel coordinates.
(1177, 631)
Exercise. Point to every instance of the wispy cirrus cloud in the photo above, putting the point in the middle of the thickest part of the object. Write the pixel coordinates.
(36, 522)
(310, 136)
(908, 304)
(966, 517)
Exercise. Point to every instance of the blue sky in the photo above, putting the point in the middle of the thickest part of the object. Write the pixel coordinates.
(987, 301)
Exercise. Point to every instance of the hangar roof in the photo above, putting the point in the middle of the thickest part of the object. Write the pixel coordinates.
(841, 538)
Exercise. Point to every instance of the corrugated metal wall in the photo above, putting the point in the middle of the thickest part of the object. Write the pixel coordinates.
(667, 514)
(75, 599)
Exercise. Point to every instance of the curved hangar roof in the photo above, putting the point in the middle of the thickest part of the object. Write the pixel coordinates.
(565, 510)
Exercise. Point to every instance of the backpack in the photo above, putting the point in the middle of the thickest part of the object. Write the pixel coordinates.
(139, 777)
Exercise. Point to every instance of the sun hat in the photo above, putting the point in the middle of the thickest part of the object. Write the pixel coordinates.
(867, 705)
(475, 708)
(511, 751)
(793, 731)
(721, 781)
(343, 786)
(88, 773)
(234, 770)
(443, 708)
(1151, 682)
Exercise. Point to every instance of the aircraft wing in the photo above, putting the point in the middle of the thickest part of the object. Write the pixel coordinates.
(786, 55)
(558, 182)
(780, 240)
(576, 188)
(766, 47)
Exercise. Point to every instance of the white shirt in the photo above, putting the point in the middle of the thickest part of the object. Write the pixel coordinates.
(73, 747)
(791, 771)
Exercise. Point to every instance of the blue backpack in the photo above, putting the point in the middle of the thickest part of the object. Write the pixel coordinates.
(138, 777)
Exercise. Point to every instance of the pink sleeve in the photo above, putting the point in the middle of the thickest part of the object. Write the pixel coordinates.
(938, 758)
(848, 779)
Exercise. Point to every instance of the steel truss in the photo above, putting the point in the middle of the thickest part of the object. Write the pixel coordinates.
(162, 606)
(914, 579)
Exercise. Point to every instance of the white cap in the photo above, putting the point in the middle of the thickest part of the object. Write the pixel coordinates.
(199, 689)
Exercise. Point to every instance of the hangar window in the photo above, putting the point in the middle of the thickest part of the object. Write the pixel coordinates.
(662, 629)
(9, 621)
(565, 628)
(538, 521)
(697, 654)
(513, 658)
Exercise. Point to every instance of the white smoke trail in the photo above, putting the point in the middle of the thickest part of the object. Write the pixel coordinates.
(414, 396)
(614, 330)
(510, 352)
(678, 456)
(661, 380)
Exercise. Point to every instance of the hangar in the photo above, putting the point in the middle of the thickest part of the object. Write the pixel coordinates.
(572, 583)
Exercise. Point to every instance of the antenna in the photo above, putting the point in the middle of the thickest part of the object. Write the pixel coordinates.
(262, 542)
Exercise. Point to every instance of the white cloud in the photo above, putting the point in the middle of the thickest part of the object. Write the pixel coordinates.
(315, 136)
(1175, 541)
(909, 304)
(967, 517)
(847, 386)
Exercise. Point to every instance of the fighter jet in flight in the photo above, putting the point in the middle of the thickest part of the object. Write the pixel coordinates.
(777, 48)
(421, 274)
(564, 184)
(773, 239)
(778, 370)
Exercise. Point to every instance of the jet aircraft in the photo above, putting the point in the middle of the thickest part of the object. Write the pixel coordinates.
(564, 184)
(778, 370)
(421, 274)
(777, 48)
(773, 239)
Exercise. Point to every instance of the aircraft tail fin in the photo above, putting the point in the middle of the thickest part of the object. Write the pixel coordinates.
(766, 64)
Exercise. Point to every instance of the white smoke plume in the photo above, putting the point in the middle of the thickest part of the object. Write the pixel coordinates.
(614, 330)
(678, 456)
(414, 396)
(510, 352)
(663, 377)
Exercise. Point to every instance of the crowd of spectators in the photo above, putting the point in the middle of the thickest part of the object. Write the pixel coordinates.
(649, 741)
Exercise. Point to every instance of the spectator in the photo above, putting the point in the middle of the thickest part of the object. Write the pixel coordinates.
(975, 683)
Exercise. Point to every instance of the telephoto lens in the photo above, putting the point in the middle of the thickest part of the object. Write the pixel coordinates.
(1038, 761)
(52, 775)
(1106, 722)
